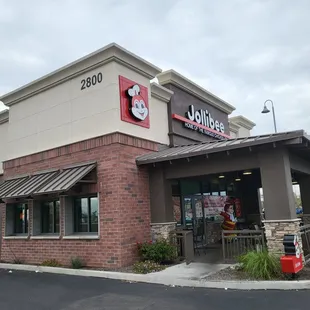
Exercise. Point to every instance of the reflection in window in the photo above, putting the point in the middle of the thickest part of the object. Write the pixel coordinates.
(21, 218)
(50, 217)
(86, 214)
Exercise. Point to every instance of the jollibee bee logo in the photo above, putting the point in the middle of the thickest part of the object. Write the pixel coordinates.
(134, 102)
(137, 107)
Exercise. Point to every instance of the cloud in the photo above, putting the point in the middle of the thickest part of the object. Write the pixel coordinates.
(245, 51)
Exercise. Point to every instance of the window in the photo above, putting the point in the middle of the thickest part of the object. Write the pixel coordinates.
(86, 215)
(21, 218)
(50, 217)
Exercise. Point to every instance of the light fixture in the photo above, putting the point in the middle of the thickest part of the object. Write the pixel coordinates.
(237, 179)
(294, 182)
(221, 176)
(265, 110)
(247, 172)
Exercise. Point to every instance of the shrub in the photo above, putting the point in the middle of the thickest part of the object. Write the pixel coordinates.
(161, 251)
(147, 267)
(18, 261)
(77, 263)
(261, 265)
(51, 263)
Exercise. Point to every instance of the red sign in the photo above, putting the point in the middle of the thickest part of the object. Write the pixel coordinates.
(134, 103)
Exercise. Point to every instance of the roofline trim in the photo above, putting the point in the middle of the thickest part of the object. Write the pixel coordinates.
(242, 121)
(160, 92)
(4, 116)
(175, 78)
(109, 53)
(275, 138)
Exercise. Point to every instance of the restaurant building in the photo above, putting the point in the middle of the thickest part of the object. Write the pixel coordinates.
(98, 156)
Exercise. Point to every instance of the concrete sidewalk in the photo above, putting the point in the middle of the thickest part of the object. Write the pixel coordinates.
(180, 275)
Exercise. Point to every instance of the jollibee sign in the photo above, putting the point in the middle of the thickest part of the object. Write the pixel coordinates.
(203, 122)
(134, 103)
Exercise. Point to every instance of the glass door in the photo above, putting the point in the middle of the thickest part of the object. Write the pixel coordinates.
(199, 219)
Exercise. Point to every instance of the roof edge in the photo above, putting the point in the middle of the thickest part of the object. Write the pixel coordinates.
(160, 92)
(175, 78)
(253, 141)
(242, 121)
(233, 127)
(4, 116)
(111, 52)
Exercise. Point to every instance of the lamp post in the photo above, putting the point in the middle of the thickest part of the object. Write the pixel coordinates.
(266, 110)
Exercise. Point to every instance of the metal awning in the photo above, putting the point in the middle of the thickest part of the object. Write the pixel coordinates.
(9, 185)
(28, 186)
(45, 183)
(204, 148)
(65, 180)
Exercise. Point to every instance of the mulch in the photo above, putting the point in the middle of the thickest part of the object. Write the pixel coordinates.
(230, 274)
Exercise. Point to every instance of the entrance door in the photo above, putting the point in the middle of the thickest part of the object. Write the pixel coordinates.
(194, 217)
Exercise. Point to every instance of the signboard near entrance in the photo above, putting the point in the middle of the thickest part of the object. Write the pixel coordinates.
(202, 122)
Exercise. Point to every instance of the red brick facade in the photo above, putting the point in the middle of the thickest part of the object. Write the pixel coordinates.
(124, 203)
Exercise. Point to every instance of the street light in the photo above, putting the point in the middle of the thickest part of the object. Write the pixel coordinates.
(266, 110)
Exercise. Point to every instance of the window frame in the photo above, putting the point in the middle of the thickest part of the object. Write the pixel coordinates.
(75, 218)
(48, 201)
(15, 205)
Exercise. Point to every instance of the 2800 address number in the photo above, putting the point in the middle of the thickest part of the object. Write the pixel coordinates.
(91, 81)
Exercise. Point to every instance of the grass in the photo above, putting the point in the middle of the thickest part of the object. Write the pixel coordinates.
(261, 265)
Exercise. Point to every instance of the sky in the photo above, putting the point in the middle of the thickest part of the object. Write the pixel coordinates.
(243, 51)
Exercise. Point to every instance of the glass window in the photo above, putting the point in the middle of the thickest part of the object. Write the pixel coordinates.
(86, 215)
(50, 217)
(21, 218)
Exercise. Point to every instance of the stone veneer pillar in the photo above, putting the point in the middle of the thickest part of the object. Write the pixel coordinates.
(162, 230)
(275, 231)
(304, 185)
(279, 202)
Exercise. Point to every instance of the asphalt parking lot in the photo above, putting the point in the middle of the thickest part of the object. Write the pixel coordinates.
(40, 291)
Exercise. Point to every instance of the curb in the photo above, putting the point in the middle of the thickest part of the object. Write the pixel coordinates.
(157, 278)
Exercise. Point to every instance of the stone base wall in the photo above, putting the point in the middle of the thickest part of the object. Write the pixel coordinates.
(162, 230)
(275, 231)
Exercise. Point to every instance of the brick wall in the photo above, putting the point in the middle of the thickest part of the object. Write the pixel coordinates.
(124, 202)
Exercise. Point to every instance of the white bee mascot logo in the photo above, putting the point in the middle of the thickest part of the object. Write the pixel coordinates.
(138, 107)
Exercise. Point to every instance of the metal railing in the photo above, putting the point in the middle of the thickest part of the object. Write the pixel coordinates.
(238, 242)
(183, 240)
(305, 238)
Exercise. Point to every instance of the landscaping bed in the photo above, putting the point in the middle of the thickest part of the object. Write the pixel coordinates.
(233, 274)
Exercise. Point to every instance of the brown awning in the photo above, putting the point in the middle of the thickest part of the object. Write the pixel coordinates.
(66, 179)
(28, 186)
(204, 148)
(11, 184)
(45, 182)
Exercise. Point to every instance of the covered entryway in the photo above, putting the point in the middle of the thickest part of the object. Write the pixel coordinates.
(272, 162)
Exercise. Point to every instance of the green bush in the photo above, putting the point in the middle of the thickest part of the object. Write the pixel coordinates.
(161, 251)
(261, 265)
(77, 263)
(51, 263)
(147, 267)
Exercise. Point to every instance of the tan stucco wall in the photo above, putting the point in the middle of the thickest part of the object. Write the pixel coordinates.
(65, 114)
(243, 132)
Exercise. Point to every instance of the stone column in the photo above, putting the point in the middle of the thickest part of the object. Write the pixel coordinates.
(162, 220)
(279, 203)
(304, 185)
(275, 231)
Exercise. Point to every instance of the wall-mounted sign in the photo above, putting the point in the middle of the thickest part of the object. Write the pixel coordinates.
(134, 103)
(202, 122)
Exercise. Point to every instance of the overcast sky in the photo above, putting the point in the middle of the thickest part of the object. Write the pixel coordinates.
(244, 51)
